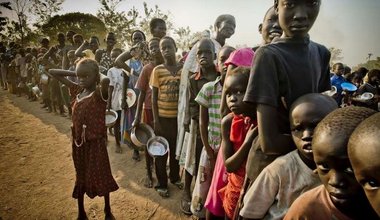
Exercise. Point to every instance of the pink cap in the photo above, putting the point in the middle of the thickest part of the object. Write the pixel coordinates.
(241, 57)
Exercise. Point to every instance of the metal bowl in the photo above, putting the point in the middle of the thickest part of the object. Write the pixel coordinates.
(140, 135)
(111, 117)
(157, 146)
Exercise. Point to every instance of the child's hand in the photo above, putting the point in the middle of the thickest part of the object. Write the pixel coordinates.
(135, 122)
(253, 131)
(157, 127)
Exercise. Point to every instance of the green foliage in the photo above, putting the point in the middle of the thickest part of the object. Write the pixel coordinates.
(335, 55)
(120, 23)
(370, 64)
(4, 20)
(85, 24)
(185, 38)
(44, 9)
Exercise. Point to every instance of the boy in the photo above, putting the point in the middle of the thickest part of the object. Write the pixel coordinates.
(284, 70)
(336, 80)
(207, 72)
(224, 28)
(144, 101)
(340, 196)
(165, 88)
(157, 27)
(282, 181)
(364, 154)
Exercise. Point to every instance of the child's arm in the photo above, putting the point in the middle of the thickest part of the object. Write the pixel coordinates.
(122, 58)
(203, 125)
(272, 142)
(98, 55)
(104, 84)
(140, 102)
(233, 160)
(60, 75)
(226, 145)
(84, 46)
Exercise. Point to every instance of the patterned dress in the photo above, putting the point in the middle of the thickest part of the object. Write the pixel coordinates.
(92, 166)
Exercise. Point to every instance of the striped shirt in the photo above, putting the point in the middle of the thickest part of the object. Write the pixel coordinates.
(209, 97)
(168, 90)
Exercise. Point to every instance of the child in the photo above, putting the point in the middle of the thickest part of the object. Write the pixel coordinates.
(282, 181)
(238, 128)
(157, 27)
(282, 71)
(364, 153)
(92, 166)
(104, 56)
(209, 99)
(165, 88)
(337, 79)
(135, 64)
(144, 101)
(340, 196)
(88, 48)
(207, 72)
(371, 85)
(115, 90)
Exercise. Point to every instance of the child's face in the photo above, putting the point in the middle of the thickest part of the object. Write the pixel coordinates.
(71, 56)
(87, 78)
(339, 70)
(137, 37)
(205, 53)
(111, 41)
(223, 55)
(366, 165)
(304, 118)
(168, 49)
(270, 27)
(154, 48)
(114, 55)
(334, 169)
(235, 90)
(227, 28)
(296, 17)
(160, 30)
(94, 44)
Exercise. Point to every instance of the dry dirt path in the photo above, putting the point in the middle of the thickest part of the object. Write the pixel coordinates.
(37, 173)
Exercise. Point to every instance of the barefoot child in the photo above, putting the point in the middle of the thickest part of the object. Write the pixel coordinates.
(364, 154)
(165, 89)
(92, 166)
(207, 72)
(209, 99)
(340, 196)
(282, 181)
(238, 128)
(144, 101)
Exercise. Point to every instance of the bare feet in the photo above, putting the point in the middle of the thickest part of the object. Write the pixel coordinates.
(118, 149)
(148, 182)
(136, 155)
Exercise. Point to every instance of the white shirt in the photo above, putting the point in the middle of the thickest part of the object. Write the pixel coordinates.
(277, 186)
(116, 80)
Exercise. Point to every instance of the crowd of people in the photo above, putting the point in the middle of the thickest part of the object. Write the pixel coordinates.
(267, 132)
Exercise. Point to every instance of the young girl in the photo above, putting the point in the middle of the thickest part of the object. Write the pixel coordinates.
(92, 166)
(238, 131)
(164, 81)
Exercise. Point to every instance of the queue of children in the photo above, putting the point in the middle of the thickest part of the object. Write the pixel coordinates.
(266, 132)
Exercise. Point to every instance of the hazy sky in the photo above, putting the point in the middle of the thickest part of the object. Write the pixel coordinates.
(351, 25)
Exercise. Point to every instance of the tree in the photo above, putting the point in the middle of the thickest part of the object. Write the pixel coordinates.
(120, 23)
(86, 24)
(185, 37)
(335, 55)
(43, 10)
(370, 64)
(4, 20)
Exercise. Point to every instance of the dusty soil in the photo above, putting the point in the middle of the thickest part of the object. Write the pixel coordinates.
(37, 173)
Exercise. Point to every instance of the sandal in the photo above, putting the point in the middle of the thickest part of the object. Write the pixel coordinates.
(185, 206)
(163, 192)
(178, 184)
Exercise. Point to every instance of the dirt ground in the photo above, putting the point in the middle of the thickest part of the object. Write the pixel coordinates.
(37, 173)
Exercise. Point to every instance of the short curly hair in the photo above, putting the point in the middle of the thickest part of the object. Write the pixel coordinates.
(342, 122)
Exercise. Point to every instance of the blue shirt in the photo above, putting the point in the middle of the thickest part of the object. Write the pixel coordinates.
(337, 81)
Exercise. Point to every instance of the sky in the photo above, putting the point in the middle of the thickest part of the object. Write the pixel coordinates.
(350, 25)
